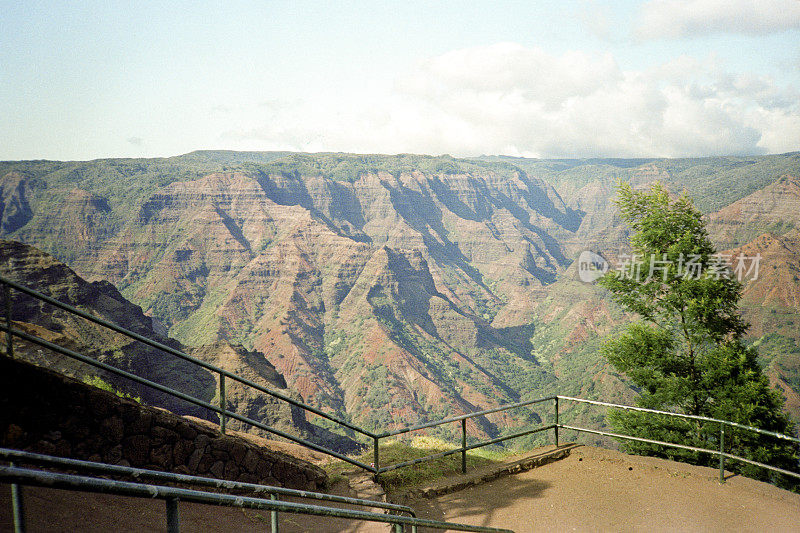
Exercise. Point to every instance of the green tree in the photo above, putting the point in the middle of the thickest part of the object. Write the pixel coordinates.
(686, 352)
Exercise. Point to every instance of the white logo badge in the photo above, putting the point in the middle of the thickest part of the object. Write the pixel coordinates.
(591, 266)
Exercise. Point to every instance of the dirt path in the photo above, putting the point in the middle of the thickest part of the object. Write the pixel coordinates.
(591, 490)
(601, 490)
(59, 511)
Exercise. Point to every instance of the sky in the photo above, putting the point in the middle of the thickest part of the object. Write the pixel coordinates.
(656, 78)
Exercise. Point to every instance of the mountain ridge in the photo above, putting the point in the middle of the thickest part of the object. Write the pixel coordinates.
(421, 286)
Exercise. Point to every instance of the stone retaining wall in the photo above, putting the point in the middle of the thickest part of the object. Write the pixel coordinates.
(45, 412)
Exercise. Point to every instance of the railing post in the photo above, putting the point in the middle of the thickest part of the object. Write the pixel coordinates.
(398, 528)
(17, 507)
(173, 518)
(721, 452)
(555, 429)
(9, 339)
(463, 445)
(376, 458)
(273, 515)
(222, 402)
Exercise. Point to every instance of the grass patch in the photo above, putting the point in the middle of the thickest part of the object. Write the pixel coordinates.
(100, 383)
(393, 452)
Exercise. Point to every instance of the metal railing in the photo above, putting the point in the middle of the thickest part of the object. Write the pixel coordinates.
(18, 457)
(376, 467)
(556, 425)
(720, 453)
(464, 446)
(221, 409)
(173, 496)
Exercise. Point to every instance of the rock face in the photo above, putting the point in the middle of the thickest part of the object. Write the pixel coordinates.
(15, 209)
(242, 399)
(46, 412)
(775, 281)
(372, 285)
(256, 405)
(770, 303)
(386, 289)
(307, 259)
(36, 270)
(776, 209)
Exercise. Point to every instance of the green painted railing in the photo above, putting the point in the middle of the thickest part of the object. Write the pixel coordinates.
(172, 496)
(20, 457)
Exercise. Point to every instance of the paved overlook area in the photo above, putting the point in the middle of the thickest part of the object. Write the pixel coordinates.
(592, 489)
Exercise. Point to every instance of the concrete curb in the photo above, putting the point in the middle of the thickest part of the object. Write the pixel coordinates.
(492, 472)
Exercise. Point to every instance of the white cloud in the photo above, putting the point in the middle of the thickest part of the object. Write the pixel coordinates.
(687, 18)
(596, 18)
(509, 99)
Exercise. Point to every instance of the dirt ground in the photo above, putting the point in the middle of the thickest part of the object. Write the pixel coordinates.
(602, 490)
(57, 511)
(591, 490)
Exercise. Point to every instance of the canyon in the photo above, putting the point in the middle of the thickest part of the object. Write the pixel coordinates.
(390, 290)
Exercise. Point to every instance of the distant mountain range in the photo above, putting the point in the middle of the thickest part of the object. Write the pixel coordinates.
(396, 289)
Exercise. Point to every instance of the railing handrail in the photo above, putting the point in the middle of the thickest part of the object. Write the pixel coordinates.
(681, 447)
(721, 423)
(467, 416)
(20, 456)
(133, 377)
(177, 353)
(454, 451)
(464, 447)
(682, 415)
(25, 476)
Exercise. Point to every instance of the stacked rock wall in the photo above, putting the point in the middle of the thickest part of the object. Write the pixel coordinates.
(45, 412)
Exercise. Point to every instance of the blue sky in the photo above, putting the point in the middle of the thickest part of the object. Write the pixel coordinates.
(84, 80)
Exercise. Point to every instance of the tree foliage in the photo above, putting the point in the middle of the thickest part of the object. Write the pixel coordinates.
(686, 353)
